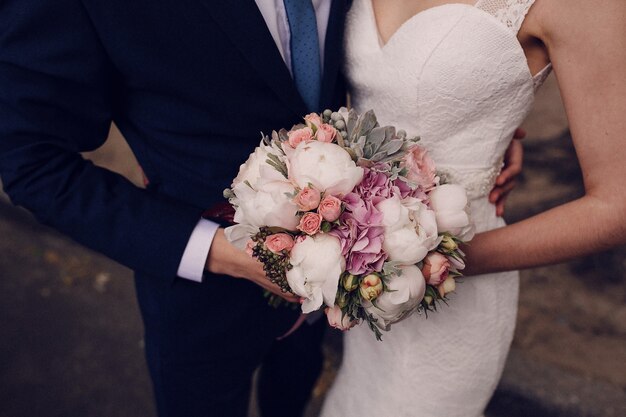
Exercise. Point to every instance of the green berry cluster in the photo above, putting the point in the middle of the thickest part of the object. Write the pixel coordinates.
(275, 265)
(335, 120)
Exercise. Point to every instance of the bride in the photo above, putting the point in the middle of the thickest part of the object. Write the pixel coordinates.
(463, 75)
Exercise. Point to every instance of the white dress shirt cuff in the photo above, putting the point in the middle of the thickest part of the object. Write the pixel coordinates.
(194, 258)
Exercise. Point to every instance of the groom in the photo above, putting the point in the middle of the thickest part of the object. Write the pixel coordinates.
(190, 84)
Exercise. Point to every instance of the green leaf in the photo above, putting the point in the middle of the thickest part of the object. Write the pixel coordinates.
(392, 268)
(275, 162)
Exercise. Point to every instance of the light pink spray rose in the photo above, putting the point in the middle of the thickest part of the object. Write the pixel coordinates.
(313, 120)
(310, 223)
(308, 199)
(325, 133)
(436, 268)
(337, 320)
(330, 208)
(298, 136)
(279, 242)
(249, 246)
(421, 168)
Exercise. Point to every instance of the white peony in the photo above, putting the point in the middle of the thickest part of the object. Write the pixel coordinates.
(256, 167)
(239, 234)
(449, 201)
(403, 295)
(410, 229)
(317, 265)
(327, 166)
(270, 204)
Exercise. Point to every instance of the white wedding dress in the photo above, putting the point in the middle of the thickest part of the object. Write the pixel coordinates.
(457, 76)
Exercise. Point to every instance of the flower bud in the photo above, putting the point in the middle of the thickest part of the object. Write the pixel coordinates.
(313, 120)
(449, 244)
(428, 300)
(342, 299)
(371, 287)
(350, 282)
(447, 287)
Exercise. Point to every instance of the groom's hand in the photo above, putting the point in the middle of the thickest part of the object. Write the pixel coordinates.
(507, 180)
(225, 259)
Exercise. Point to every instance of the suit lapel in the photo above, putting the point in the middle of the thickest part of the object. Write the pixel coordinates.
(243, 23)
(333, 50)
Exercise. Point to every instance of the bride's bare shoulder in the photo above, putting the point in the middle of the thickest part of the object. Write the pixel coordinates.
(560, 20)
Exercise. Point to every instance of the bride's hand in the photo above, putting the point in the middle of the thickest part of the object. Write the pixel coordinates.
(225, 259)
(507, 180)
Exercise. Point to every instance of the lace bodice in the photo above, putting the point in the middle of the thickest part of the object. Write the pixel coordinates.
(454, 74)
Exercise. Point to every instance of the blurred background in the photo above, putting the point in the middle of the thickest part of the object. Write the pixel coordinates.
(71, 335)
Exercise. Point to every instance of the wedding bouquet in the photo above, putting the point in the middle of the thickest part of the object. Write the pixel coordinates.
(351, 215)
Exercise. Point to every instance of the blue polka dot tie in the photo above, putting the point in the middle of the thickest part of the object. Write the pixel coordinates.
(305, 51)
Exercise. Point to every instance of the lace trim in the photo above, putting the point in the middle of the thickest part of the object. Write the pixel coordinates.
(510, 12)
(541, 76)
(477, 182)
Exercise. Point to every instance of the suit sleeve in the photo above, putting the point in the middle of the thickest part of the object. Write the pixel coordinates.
(57, 91)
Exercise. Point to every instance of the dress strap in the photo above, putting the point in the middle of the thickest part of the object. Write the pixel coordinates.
(510, 12)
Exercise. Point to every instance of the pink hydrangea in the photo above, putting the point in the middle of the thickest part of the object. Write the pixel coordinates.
(361, 236)
(376, 186)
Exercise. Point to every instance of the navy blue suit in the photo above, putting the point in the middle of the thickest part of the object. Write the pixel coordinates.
(191, 84)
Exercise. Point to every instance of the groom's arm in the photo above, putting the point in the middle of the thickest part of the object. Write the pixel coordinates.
(57, 90)
(56, 95)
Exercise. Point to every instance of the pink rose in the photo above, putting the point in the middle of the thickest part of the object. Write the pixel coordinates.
(421, 169)
(249, 246)
(308, 199)
(297, 136)
(436, 268)
(330, 208)
(338, 320)
(279, 242)
(310, 223)
(326, 133)
(313, 119)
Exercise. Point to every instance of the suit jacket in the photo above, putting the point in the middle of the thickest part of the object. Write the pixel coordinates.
(191, 84)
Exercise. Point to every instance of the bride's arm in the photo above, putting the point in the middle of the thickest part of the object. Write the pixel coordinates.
(586, 42)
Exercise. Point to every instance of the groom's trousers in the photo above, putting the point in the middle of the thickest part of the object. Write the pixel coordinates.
(204, 342)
